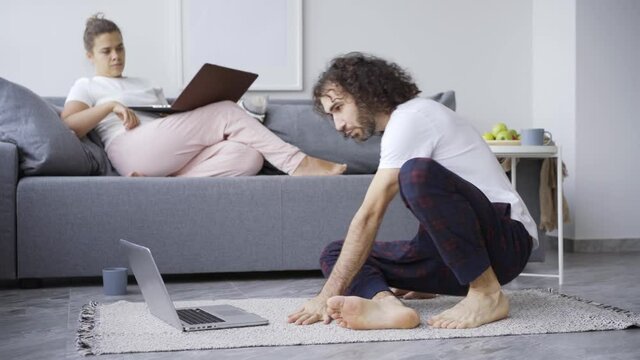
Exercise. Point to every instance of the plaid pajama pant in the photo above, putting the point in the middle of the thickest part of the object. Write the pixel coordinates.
(461, 234)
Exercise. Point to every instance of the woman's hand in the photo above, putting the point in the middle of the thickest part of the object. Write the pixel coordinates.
(311, 312)
(128, 116)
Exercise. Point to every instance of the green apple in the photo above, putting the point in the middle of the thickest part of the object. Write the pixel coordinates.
(503, 135)
(488, 136)
(497, 128)
(513, 134)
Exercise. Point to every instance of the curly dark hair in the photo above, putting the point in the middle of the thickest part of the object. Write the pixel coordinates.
(377, 86)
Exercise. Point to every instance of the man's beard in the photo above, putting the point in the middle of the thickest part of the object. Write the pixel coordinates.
(367, 122)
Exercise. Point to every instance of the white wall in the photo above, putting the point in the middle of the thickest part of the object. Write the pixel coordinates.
(480, 49)
(554, 83)
(586, 87)
(42, 46)
(608, 120)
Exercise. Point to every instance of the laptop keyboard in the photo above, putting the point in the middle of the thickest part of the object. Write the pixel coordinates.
(197, 316)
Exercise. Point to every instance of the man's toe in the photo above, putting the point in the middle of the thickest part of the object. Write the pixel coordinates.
(443, 324)
(453, 325)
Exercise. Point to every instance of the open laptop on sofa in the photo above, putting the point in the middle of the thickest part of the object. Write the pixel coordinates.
(211, 84)
(160, 305)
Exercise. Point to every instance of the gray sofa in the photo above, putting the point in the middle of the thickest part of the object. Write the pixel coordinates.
(69, 226)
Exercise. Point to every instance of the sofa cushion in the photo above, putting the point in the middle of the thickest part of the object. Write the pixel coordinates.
(297, 123)
(45, 144)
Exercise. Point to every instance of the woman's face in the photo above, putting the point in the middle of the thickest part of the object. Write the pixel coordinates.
(108, 55)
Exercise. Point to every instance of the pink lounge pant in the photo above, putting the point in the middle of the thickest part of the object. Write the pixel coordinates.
(219, 139)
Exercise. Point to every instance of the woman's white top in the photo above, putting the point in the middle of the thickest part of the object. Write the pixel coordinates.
(128, 91)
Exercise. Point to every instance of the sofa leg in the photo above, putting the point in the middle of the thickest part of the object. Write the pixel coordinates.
(29, 283)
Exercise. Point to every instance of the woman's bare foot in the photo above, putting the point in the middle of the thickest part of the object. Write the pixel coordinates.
(484, 303)
(412, 295)
(311, 166)
(357, 313)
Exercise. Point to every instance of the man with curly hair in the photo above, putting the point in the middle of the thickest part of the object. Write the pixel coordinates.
(475, 231)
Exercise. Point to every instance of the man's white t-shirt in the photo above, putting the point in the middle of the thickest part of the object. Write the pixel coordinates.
(422, 128)
(128, 91)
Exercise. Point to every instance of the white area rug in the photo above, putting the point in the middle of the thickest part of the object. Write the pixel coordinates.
(126, 327)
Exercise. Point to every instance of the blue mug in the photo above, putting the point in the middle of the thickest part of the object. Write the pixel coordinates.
(114, 280)
(535, 137)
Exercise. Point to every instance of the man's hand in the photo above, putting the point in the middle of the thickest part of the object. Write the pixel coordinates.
(311, 312)
(356, 248)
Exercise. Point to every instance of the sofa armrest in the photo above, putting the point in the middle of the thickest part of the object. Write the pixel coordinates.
(8, 183)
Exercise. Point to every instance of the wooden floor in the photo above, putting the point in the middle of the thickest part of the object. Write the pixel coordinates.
(41, 323)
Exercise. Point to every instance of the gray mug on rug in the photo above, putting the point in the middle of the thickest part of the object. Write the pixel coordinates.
(114, 280)
(535, 137)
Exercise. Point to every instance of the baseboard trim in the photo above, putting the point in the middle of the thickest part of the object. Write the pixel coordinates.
(597, 245)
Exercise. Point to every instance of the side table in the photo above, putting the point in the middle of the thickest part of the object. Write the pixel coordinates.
(539, 152)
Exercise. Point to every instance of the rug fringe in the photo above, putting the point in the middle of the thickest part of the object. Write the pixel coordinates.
(85, 335)
(632, 315)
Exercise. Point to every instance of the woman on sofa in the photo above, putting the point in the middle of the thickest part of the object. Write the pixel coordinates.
(218, 139)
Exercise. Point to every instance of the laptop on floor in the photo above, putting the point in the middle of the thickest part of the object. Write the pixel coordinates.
(212, 83)
(188, 319)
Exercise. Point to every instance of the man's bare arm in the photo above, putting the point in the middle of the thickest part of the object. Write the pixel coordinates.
(356, 248)
(362, 232)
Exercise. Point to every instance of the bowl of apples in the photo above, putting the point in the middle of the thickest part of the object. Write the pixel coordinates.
(500, 134)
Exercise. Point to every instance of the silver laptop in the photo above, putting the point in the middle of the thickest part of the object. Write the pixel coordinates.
(189, 319)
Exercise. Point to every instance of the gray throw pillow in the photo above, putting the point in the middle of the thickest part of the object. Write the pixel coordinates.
(297, 123)
(91, 144)
(46, 145)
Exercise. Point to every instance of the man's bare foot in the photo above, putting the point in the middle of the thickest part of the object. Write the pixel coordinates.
(357, 313)
(412, 295)
(311, 166)
(474, 310)
(484, 303)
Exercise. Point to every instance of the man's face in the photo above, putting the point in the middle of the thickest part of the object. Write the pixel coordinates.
(349, 119)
